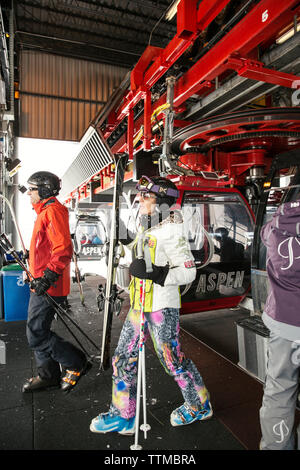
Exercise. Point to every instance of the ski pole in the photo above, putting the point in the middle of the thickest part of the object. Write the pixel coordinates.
(145, 426)
(140, 374)
(60, 310)
(7, 246)
(48, 297)
(141, 379)
(148, 262)
(78, 277)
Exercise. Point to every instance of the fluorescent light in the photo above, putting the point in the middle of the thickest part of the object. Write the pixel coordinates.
(12, 166)
(288, 34)
(172, 11)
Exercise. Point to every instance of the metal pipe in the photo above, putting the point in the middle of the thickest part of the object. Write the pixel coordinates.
(15, 220)
(165, 163)
(11, 57)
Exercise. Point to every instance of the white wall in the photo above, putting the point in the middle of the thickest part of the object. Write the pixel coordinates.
(39, 155)
(45, 155)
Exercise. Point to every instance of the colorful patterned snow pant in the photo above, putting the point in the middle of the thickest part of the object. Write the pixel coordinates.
(163, 326)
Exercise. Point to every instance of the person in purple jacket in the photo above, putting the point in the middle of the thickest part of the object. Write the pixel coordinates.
(281, 315)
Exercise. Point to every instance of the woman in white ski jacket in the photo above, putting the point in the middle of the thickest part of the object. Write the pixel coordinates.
(172, 264)
(163, 258)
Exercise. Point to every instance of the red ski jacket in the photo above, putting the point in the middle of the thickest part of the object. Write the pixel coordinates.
(51, 244)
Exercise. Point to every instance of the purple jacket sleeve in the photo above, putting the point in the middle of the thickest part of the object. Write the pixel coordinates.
(265, 233)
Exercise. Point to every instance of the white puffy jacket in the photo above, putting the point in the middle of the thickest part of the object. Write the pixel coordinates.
(171, 247)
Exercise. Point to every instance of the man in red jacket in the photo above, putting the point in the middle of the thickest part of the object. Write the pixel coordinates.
(49, 263)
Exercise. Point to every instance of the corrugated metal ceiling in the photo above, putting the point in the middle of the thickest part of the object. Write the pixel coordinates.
(107, 31)
(71, 54)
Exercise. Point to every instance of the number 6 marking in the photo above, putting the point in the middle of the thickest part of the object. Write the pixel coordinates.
(265, 16)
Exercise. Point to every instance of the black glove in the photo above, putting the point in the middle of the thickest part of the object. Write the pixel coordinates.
(41, 284)
(158, 274)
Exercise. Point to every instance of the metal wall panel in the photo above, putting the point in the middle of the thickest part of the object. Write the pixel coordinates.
(59, 96)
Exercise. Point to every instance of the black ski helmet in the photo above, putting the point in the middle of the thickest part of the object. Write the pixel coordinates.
(48, 184)
(221, 233)
(164, 189)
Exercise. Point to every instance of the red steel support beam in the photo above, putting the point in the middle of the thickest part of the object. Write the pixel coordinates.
(137, 74)
(187, 32)
(186, 18)
(130, 131)
(257, 71)
(269, 76)
(207, 12)
(260, 23)
(147, 120)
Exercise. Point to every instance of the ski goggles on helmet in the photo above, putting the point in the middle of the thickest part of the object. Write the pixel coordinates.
(146, 184)
(32, 189)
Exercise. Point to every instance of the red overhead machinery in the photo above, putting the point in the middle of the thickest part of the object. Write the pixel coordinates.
(177, 110)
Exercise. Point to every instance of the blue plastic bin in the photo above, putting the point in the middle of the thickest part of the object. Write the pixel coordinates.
(15, 293)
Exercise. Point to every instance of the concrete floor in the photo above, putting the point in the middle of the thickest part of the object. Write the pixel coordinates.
(50, 420)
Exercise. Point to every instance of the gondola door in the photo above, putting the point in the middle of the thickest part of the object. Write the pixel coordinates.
(90, 237)
(219, 225)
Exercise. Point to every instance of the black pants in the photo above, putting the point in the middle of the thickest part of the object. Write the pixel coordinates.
(49, 349)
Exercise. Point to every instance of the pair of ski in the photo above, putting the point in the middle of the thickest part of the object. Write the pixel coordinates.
(111, 297)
